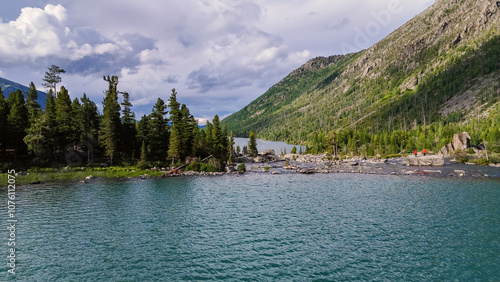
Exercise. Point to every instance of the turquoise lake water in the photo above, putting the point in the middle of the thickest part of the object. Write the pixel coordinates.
(258, 227)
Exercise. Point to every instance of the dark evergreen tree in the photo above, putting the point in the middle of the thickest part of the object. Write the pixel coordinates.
(111, 124)
(129, 130)
(90, 126)
(50, 113)
(17, 123)
(77, 121)
(52, 77)
(158, 135)
(175, 146)
(4, 112)
(34, 109)
(36, 138)
(252, 145)
(230, 148)
(64, 119)
(143, 134)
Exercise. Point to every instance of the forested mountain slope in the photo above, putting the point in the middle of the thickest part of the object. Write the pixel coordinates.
(8, 87)
(442, 66)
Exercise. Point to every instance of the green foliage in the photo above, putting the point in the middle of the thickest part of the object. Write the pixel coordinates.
(461, 156)
(252, 145)
(294, 150)
(242, 168)
(111, 123)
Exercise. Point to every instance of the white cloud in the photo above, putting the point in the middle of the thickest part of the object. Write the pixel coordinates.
(41, 37)
(219, 55)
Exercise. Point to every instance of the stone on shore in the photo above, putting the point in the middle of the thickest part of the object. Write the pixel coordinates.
(461, 141)
(267, 153)
(411, 160)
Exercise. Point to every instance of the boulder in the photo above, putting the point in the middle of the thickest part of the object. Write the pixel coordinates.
(89, 177)
(230, 169)
(411, 160)
(307, 171)
(446, 150)
(268, 153)
(461, 141)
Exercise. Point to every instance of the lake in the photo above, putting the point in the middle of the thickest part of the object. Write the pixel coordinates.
(258, 227)
(262, 145)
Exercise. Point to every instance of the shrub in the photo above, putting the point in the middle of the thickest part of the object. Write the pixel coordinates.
(461, 156)
(242, 168)
(194, 166)
(482, 161)
(392, 156)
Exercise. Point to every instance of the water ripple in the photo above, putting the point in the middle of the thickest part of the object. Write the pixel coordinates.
(261, 228)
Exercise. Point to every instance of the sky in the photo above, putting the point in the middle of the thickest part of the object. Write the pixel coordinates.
(219, 55)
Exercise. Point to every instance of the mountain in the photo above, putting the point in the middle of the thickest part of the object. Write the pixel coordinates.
(441, 66)
(8, 87)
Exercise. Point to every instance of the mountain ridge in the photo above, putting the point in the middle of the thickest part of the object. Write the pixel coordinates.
(409, 78)
(9, 86)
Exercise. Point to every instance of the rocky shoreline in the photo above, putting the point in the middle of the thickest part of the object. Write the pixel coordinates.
(433, 165)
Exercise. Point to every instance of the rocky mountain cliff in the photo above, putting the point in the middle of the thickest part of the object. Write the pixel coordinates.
(444, 64)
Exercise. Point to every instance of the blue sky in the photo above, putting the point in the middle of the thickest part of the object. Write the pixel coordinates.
(219, 55)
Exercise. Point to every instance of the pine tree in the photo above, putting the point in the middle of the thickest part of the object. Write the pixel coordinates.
(4, 112)
(230, 148)
(17, 122)
(64, 119)
(187, 129)
(50, 113)
(174, 149)
(34, 109)
(90, 126)
(143, 157)
(143, 134)
(77, 121)
(158, 132)
(36, 138)
(252, 145)
(52, 77)
(111, 125)
(174, 106)
(129, 130)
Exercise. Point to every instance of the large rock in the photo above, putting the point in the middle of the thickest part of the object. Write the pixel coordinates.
(446, 150)
(411, 160)
(268, 152)
(461, 141)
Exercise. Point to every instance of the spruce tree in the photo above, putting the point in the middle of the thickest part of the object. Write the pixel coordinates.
(230, 148)
(52, 77)
(110, 124)
(34, 109)
(4, 112)
(158, 132)
(252, 145)
(90, 126)
(17, 122)
(36, 138)
(77, 121)
(64, 119)
(129, 131)
(143, 135)
(174, 149)
(50, 113)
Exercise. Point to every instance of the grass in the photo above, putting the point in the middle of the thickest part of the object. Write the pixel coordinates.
(76, 174)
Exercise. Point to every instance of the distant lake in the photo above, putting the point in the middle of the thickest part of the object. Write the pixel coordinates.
(264, 145)
(258, 227)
